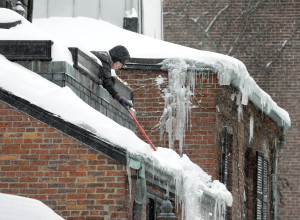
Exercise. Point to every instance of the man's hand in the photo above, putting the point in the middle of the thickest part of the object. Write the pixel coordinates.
(124, 102)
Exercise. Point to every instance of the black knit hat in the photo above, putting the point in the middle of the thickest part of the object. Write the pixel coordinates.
(119, 53)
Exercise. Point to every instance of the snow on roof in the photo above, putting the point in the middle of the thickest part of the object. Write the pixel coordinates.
(90, 34)
(27, 31)
(17, 207)
(66, 105)
(100, 35)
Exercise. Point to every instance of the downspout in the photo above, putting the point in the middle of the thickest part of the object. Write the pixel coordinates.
(278, 147)
(137, 162)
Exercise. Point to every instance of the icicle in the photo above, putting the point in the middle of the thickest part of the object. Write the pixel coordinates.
(129, 176)
(177, 97)
(240, 106)
(251, 128)
(174, 121)
(219, 210)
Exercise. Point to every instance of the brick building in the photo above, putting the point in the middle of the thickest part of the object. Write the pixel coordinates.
(51, 151)
(83, 177)
(74, 172)
(220, 140)
(69, 168)
(265, 36)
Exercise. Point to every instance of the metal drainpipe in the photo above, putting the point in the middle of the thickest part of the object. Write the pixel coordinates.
(137, 162)
(274, 186)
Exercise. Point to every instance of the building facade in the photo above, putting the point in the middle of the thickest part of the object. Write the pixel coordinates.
(236, 144)
(239, 149)
(265, 36)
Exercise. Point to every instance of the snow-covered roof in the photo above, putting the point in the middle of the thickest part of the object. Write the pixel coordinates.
(63, 103)
(90, 34)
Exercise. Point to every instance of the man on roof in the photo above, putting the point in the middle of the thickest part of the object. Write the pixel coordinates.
(115, 58)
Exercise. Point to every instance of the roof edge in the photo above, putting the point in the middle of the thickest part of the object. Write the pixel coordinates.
(156, 64)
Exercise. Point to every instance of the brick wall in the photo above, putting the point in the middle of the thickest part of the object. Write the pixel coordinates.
(242, 152)
(256, 32)
(40, 162)
(213, 110)
(149, 105)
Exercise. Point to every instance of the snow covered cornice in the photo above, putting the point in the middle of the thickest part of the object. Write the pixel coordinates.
(261, 100)
(237, 77)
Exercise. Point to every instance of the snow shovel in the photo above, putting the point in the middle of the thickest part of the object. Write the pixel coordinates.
(141, 129)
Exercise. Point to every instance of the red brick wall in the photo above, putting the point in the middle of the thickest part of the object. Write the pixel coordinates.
(214, 110)
(242, 171)
(40, 162)
(257, 31)
(149, 105)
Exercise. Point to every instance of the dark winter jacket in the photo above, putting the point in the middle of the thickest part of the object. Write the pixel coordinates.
(105, 73)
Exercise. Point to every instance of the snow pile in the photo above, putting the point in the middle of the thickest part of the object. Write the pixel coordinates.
(131, 13)
(16, 207)
(27, 31)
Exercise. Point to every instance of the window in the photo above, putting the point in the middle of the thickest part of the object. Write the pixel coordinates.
(224, 158)
(224, 167)
(152, 209)
(261, 187)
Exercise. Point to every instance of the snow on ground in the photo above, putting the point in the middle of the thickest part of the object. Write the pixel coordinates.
(16, 207)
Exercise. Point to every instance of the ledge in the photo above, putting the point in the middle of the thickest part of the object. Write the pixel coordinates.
(84, 63)
(143, 64)
(9, 24)
(84, 86)
(25, 50)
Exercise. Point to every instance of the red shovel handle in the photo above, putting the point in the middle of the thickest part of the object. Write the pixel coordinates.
(138, 124)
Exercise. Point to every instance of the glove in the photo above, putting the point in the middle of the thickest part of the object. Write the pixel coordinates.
(124, 102)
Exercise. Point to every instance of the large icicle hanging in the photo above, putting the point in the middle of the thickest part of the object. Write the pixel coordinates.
(181, 84)
(251, 127)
